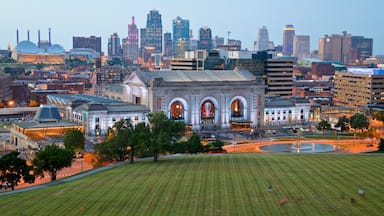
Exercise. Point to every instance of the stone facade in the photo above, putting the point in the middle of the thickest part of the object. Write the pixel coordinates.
(203, 100)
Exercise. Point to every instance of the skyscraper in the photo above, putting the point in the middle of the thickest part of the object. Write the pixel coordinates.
(180, 31)
(262, 39)
(336, 48)
(114, 46)
(301, 46)
(153, 36)
(132, 41)
(205, 38)
(91, 42)
(361, 48)
(289, 33)
(217, 42)
(168, 50)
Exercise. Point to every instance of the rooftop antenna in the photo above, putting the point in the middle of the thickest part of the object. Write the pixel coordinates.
(38, 38)
(28, 35)
(49, 35)
(17, 36)
(229, 32)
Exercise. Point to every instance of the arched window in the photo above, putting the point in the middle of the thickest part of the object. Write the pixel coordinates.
(237, 108)
(177, 111)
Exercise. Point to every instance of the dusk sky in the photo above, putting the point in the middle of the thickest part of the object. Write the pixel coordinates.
(243, 18)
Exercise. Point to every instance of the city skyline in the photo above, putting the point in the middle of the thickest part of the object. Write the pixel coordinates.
(68, 18)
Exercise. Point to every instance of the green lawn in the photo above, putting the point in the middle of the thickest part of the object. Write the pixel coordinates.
(232, 184)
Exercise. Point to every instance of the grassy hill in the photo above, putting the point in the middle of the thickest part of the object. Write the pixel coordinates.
(232, 184)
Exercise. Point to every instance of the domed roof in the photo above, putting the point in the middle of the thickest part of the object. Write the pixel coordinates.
(47, 113)
(27, 47)
(56, 49)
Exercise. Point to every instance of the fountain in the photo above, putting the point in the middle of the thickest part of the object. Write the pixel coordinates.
(298, 148)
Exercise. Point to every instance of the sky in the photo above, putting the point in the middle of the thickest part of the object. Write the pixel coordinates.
(243, 18)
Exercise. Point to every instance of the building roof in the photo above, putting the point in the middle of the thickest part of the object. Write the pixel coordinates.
(46, 117)
(197, 76)
(34, 124)
(272, 102)
(366, 71)
(275, 102)
(70, 98)
(113, 107)
(27, 47)
(47, 113)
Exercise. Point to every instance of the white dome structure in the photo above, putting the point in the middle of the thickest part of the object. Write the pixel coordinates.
(28, 52)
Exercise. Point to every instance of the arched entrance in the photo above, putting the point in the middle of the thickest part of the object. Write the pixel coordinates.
(207, 114)
(237, 110)
(238, 116)
(177, 111)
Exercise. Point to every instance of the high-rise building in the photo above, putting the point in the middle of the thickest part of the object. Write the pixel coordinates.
(181, 47)
(262, 39)
(132, 42)
(205, 38)
(153, 36)
(168, 49)
(279, 77)
(91, 42)
(143, 41)
(193, 42)
(301, 46)
(359, 87)
(114, 46)
(336, 48)
(180, 31)
(289, 33)
(217, 42)
(361, 48)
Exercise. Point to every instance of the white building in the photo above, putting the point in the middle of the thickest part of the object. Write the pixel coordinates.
(97, 113)
(283, 111)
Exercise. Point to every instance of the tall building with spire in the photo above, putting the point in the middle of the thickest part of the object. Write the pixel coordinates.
(180, 33)
(132, 42)
(153, 33)
(288, 34)
(262, 39)
(205, 38)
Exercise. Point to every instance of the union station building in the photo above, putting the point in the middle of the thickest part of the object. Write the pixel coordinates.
(203, 100)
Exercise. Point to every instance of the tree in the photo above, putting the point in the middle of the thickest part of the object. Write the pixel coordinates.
(115, 147)
(194, 144)
(381, 146)
(323, 125)
(163, 132)
(359, 121)
(52, 159)
(139, 139)
(13, 169)
(74, 140)
(379, 116)
(342, 123)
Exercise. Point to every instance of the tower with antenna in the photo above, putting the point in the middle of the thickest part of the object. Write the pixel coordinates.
(38, 38)
(17, 36)
(49, 37)
(229, 32)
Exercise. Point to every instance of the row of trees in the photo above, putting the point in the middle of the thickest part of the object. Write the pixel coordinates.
(125, 141)
(13, 168)
(358, 122)
(51, 159)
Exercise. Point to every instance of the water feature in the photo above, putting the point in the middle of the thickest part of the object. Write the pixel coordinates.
(298, 148)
